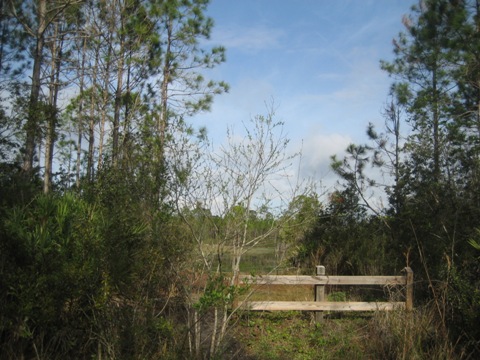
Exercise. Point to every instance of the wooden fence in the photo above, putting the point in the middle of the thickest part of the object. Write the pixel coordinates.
(320, 281)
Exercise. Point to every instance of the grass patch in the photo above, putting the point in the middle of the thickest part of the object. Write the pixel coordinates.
(354, 336)
(295, 336)
(259, 259)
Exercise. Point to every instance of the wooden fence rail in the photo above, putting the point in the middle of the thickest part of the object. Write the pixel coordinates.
(320, 281)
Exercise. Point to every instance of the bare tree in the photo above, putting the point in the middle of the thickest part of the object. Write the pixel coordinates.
(224, 195)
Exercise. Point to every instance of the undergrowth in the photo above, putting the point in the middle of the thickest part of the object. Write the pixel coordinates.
(294, 335)
(354, 336)
(409, 335)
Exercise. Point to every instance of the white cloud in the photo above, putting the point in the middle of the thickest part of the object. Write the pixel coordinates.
(258, 38)
(320, 66)
(317, 149)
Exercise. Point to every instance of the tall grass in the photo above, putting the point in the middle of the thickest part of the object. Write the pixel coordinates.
(419, 334)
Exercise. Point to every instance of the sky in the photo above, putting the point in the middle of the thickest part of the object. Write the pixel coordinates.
(317, 60)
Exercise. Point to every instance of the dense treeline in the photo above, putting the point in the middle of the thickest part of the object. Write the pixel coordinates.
(426, 162)
(121, 237)
(93, 134)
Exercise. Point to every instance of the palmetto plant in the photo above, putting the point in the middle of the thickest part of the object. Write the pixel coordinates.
(50, 272)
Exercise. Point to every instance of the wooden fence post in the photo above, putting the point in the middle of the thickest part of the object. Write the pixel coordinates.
(319, 293)
(409, 288)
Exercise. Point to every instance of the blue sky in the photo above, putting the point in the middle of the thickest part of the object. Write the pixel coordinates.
(319, 62)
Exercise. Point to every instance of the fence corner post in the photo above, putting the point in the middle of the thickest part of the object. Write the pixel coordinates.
(319, 293)
(409, 289)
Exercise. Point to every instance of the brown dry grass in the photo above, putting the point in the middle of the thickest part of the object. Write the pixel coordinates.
(282, 293)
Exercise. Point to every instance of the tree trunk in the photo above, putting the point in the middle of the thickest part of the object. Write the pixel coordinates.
(80, 114)
(214, 332)
(436, 128)
(118, 105)
(198, 333)
(56, 52)
(32, 119)
(106, 76)
(91, 125)
(163, 120)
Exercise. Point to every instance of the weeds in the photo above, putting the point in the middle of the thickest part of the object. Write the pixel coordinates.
(396, 335)
(409, 335)
(293, 335)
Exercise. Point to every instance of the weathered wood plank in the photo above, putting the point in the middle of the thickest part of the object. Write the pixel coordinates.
(280, 279)
(321, 306)
(409, 292)
(324, 280)
(319, 293)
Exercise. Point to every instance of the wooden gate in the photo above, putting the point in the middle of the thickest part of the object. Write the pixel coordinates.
(320, 281)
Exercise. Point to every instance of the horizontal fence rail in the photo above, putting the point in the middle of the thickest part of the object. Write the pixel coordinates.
(322, 306)
(324, 280)
(320, 281)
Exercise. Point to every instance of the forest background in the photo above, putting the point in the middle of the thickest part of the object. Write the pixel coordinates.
(123, 234)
